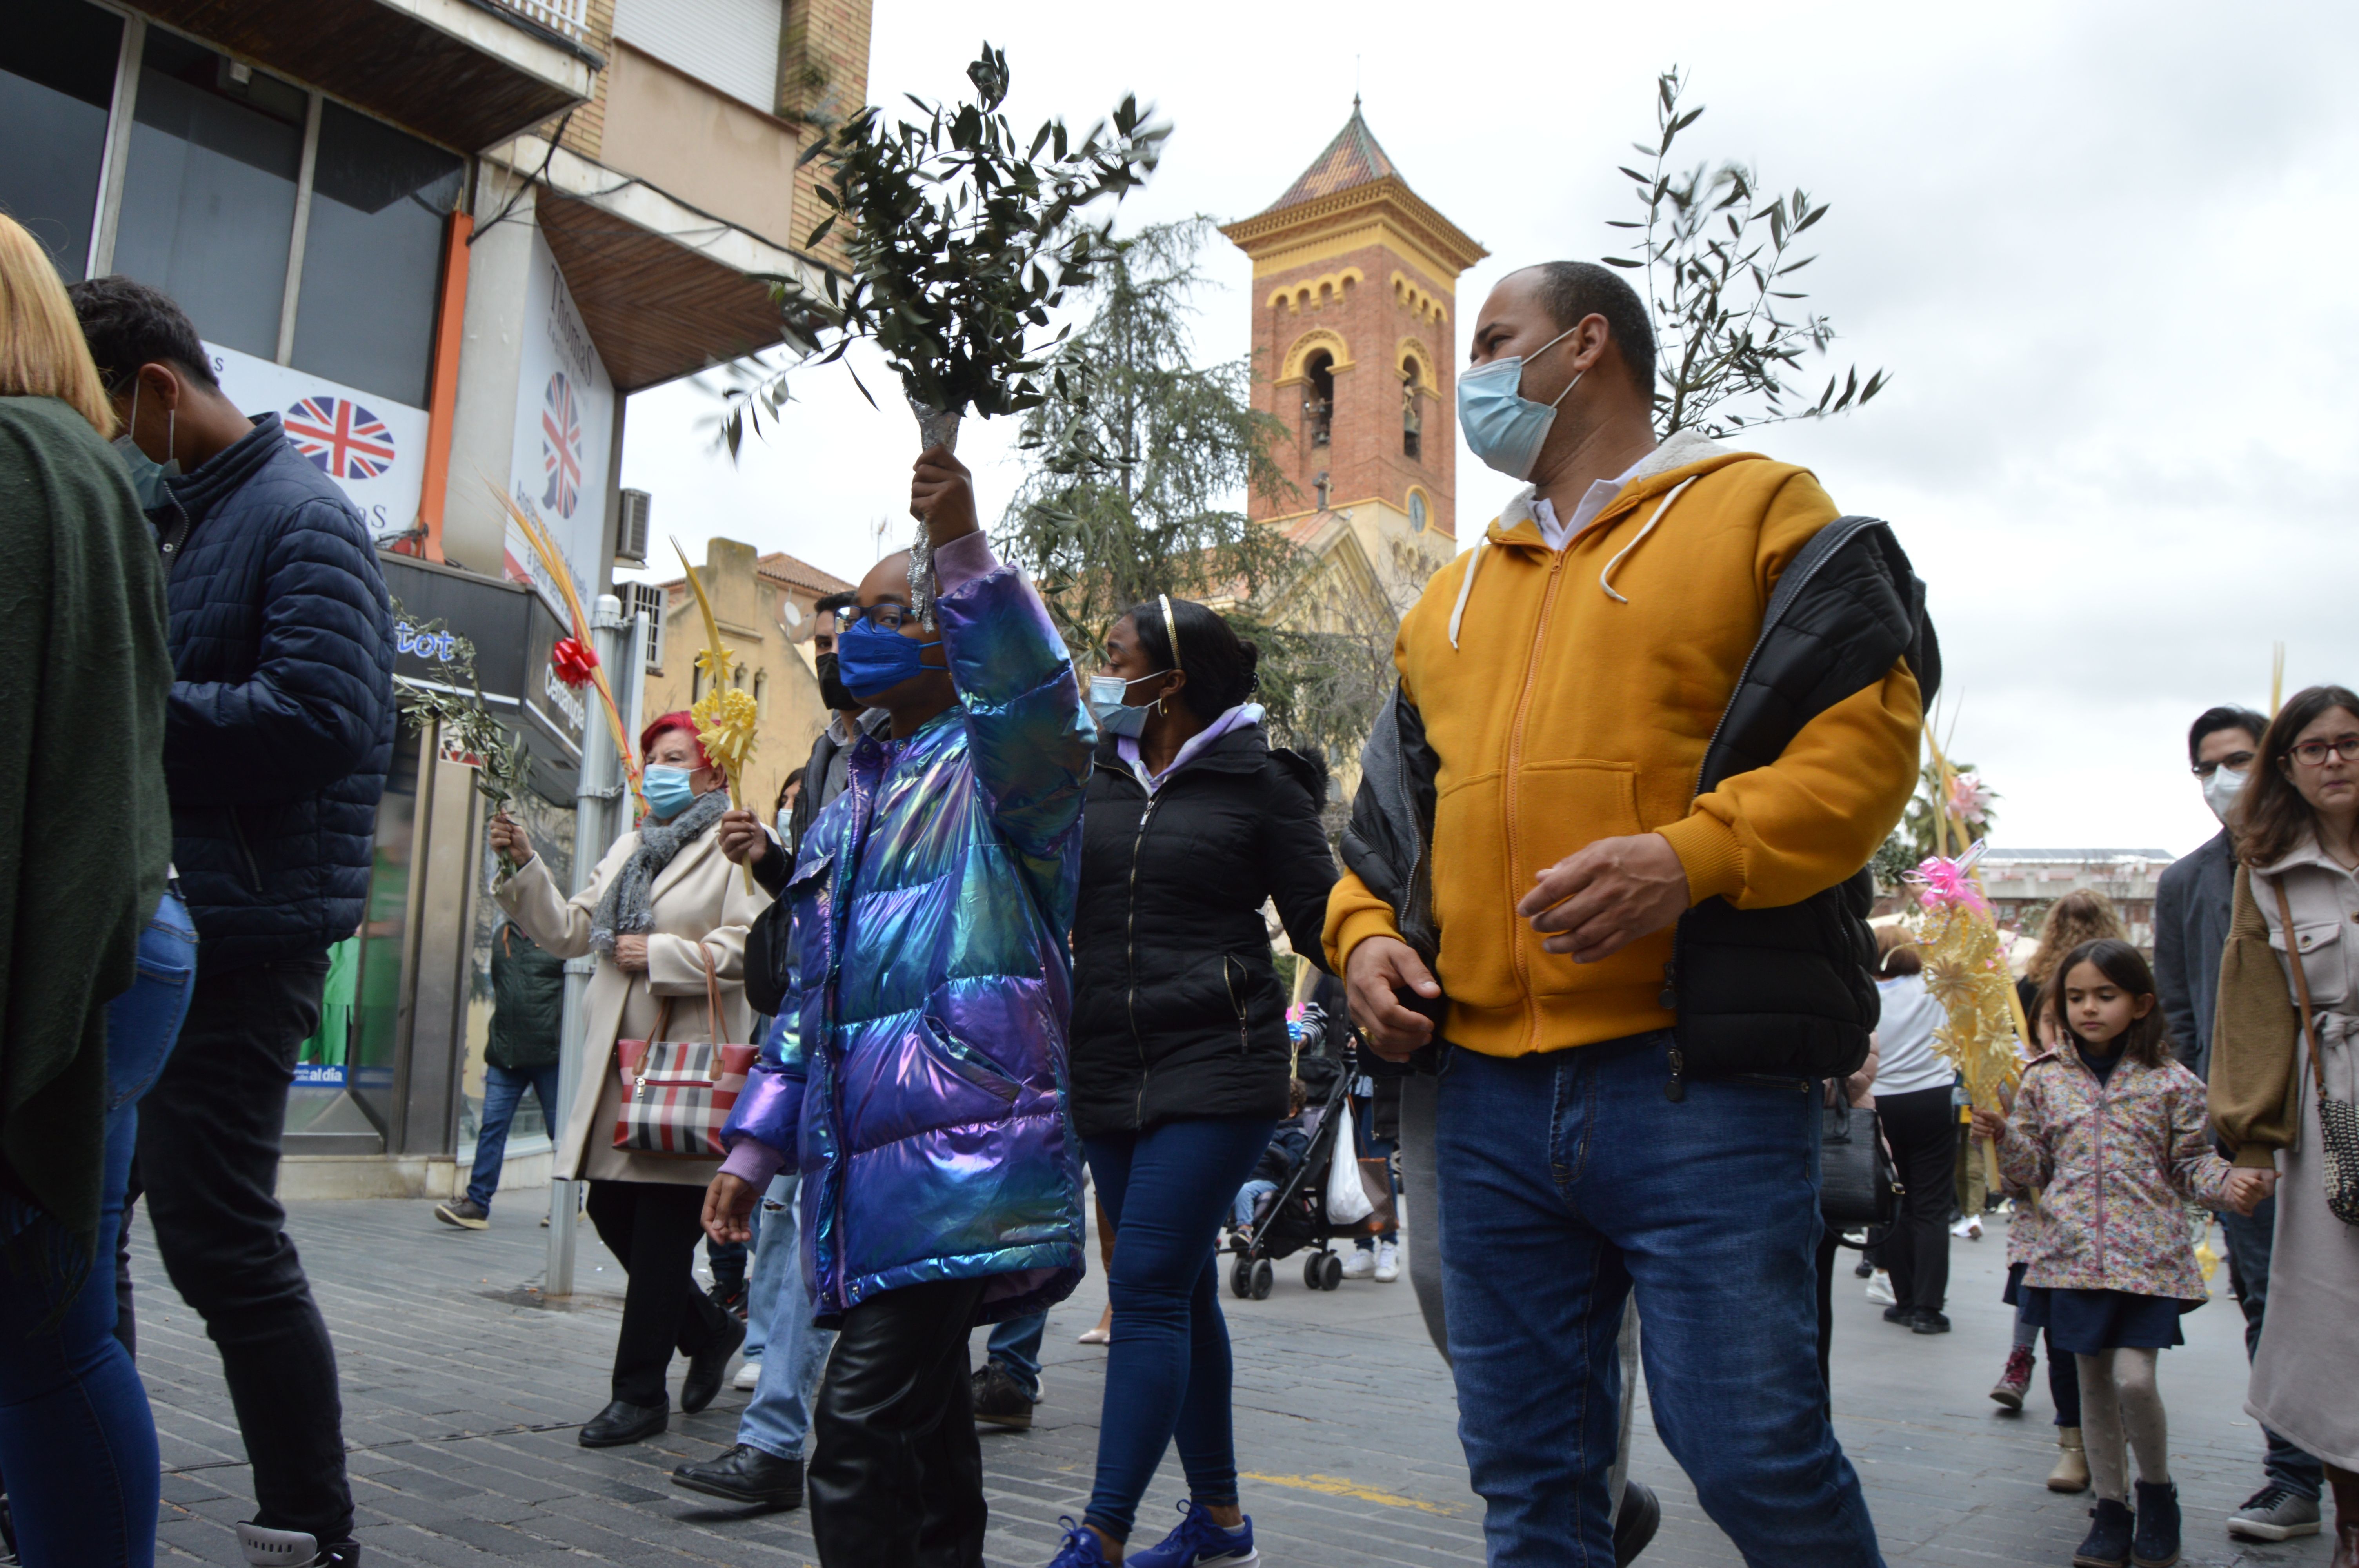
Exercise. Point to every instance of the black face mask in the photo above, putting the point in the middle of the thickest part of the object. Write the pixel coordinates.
(831, 685)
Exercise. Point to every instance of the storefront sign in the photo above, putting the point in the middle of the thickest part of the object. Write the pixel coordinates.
(564, 432)
(374, 447)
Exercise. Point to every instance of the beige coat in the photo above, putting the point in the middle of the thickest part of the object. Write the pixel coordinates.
(2257, 1075)
(699, 897)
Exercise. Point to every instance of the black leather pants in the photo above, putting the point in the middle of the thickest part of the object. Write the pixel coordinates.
(896, 1474)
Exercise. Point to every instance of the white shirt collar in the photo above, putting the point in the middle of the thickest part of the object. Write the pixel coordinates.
(1557, 533)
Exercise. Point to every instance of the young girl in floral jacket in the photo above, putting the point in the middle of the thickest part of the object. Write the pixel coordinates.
(2112, 1133)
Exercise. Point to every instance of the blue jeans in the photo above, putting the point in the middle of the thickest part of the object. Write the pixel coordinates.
(1568, 1180)
(794, 1355)
(1016, 1346)
(1168, 1371)
(1241, 1211)
(2250, 1242)
(76, 1441)
(503, 1091)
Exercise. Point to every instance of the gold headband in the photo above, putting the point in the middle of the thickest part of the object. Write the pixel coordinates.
(1171, 624)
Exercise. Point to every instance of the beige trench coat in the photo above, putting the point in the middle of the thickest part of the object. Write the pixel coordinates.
(699, 896)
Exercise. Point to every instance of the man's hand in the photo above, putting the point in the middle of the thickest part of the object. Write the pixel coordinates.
(743, 839)
(941, 495)
(631, 954)
(1376, 968)
(2248, 1188)
(1605, 897)
(728, 1209)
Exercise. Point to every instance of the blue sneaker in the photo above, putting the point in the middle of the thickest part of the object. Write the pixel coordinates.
(1200, 1543)
(1080, 1549)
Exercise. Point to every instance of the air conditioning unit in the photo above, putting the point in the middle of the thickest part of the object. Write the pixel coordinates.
(647, 597)
(631, 531)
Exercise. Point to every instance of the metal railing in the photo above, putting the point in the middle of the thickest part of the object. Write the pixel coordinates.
(569, 17)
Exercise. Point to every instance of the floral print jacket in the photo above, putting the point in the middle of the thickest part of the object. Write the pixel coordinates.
(2111, 1163)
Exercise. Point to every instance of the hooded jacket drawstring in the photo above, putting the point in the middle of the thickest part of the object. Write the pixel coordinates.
(1605, 577)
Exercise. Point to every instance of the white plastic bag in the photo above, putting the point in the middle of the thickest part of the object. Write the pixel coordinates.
(1347, 1198)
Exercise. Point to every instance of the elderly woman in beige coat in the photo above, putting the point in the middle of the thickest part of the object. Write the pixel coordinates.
(2294, 940)
(664, 902)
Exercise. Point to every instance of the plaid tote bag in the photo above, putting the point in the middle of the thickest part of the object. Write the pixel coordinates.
(677, 1093)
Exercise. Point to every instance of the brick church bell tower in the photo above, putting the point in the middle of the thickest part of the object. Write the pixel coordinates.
(1355, 349)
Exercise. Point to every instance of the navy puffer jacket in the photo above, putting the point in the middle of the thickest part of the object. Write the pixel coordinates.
(280, 727)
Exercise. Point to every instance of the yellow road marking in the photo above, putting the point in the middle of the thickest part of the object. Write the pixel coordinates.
(1343, 1487)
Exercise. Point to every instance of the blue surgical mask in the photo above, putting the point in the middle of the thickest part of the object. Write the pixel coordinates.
(873, 661)
(148, 475)
(667, 790)
(1503, 427)
(1115, 716)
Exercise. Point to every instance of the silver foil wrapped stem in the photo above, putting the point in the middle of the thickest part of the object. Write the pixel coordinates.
(935, 428)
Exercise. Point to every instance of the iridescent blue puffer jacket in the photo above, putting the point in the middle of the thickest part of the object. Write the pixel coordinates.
(918, 1077)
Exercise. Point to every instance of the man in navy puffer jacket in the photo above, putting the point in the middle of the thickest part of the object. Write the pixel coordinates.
(275, 745)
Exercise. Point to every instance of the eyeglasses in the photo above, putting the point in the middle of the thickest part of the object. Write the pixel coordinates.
(2313, 754)
(885, 617)
(2235, 762)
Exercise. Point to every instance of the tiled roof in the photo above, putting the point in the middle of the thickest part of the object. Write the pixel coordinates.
(795, 572)
(1351, 159)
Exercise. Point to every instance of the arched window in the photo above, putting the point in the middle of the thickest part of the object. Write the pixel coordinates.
(1412, 425)
(1318, 398)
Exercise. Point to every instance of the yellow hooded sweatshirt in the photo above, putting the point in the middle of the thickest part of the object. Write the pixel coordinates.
(1571, 696)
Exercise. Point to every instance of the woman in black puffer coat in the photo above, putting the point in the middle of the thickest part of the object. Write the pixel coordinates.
(1180, 1054)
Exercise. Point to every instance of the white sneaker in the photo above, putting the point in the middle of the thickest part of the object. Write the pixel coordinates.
(1387, 1262)
(748, 1375)
(1360, 1264)
(1969, 1228)
(1879, 1290)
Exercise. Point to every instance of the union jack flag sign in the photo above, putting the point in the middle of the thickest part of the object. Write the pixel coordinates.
(343, 438)
(560, 446)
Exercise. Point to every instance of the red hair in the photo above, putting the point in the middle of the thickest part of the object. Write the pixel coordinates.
(681, 721)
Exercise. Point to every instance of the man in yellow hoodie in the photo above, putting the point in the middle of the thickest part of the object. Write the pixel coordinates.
(1648, 732)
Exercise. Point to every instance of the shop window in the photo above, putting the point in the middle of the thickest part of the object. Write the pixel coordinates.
(372, 254)
(57, 79)
(209, 198)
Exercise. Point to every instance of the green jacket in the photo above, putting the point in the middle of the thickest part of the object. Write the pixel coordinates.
(527, 1001)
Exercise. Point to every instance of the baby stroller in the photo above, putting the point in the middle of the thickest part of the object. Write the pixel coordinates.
(1294, 1216)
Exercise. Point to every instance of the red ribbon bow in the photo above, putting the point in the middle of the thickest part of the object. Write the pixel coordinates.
(573, 661)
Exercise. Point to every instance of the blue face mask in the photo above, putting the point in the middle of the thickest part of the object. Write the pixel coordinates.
(1115, 716)
(667, 789)
(1503, 427)
(148, 475)
(872, 660)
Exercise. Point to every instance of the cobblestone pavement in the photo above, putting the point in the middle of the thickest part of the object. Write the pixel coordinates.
(462, 1389)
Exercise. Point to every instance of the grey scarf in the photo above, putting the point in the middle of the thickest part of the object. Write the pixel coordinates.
(627, 910)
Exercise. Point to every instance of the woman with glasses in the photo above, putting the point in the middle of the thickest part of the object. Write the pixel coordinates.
(2285, 1072)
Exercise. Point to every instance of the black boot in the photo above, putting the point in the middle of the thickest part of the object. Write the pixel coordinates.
(746, 1475)
(2107, 1545)
(622, 1422)
(709, 1367)
(2157, 1545)
(1635, 1524)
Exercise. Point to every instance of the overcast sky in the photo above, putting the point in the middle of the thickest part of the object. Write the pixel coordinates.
(2103, 250)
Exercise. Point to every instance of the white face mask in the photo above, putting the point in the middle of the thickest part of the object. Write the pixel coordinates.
(2221, 790)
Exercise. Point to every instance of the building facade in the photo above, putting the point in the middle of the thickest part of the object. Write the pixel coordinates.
(444, 239)
(2022, 884)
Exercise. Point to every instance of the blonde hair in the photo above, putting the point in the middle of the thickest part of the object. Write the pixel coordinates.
(42, 353)
(2079, 916)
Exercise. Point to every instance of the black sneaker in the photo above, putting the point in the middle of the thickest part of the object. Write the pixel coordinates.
(293, 1548)
(1927, 1321)
(462, 1213)
(1000, 1400)
(1897, 1314)
(730, 1298)
(1641, 1515)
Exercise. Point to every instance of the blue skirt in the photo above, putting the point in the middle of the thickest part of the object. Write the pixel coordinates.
(2082, 1323)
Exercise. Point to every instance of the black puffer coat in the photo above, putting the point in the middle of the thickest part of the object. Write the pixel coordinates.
(1178, 1010)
